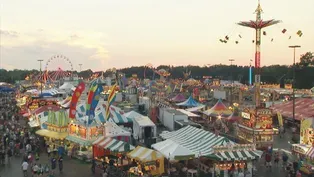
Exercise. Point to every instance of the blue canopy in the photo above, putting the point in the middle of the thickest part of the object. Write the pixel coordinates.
(46, 95)
(6, 89)
(190, 102)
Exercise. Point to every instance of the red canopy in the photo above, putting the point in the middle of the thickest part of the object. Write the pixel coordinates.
(46, 108)
(304, 108)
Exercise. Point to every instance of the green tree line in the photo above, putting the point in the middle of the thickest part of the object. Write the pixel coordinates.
(275, 74)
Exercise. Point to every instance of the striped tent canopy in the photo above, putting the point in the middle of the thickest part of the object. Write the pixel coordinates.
(58, 118)
(113, 145)
(199, 141)
(236, 152)
(219, 109)
(117, 116)
(238, 155)
(144, 154)
(80, 141)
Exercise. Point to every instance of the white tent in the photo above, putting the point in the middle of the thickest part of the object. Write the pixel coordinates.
(172, 150)
(113, 130)
(66, 86)
(132, 114)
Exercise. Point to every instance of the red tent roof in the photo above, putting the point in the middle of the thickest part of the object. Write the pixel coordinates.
(46, 108)
(304, 108)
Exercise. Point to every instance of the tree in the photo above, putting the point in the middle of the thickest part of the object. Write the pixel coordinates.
(307, 59)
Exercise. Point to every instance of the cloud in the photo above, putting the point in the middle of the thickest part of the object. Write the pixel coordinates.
(83, 47)
(10, 34)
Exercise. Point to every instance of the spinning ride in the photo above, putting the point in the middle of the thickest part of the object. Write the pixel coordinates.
(161, 72)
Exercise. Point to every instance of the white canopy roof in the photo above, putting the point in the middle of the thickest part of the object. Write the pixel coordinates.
(188, 113)
(195, 109)
(171, 149)
(66, 86)
(144, 121)
(132, 114)
(113, 130)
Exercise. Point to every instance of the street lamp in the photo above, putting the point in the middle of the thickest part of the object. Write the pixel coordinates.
(232, 82)
(41, 78)
(293, 81)
(80, 67)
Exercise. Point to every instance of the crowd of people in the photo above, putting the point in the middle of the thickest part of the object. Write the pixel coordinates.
(17, 140)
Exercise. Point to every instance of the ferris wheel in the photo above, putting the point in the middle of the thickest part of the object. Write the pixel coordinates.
(57, 68)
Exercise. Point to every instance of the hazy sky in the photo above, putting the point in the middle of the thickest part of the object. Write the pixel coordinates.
(102, 34)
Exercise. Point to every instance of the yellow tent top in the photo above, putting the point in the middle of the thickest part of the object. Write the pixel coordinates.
(144, 154)
(51, 134)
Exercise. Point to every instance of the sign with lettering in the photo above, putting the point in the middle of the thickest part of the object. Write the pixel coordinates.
(246, 115)
(263, 112)
(234, 147)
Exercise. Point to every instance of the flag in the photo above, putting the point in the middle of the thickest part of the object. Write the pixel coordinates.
(284, 31)
(90, 97)
(75, 97)
(94, 103)
(280, 119)
(111, 99)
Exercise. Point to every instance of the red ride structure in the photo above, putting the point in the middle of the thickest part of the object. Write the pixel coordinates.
(258, 25)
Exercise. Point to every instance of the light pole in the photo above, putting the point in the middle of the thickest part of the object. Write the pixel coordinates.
(232, 82)
(250, 73)
(293, 81)
(41, 78)
(80, 67)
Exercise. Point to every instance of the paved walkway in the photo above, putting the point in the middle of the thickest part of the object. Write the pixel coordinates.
(71, 168)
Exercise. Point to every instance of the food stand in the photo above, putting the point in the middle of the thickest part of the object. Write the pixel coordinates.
(255, 126)
(81, 136)
(148, 161)
(55, 129)
(106, 148)
(237, 156)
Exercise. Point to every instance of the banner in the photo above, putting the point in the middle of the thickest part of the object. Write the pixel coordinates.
(90, 97)
(111, 99)
(75, 97)
(280, 119)
(94, 103)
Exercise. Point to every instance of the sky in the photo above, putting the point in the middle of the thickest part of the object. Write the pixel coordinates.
(102, 34)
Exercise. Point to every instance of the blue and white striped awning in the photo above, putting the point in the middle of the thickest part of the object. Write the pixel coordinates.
(199, 141)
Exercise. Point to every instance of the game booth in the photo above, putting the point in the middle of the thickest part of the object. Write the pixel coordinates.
(146, 161)
(80, 137)
(238, 157)
(113, 145)
(55, 129)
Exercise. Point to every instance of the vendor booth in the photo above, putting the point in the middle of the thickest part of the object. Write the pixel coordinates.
(55, 129)
(81, 136)
(148, 162)
(236, 158)
(106, 148)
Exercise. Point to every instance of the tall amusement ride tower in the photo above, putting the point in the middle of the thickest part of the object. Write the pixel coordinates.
(258, 25)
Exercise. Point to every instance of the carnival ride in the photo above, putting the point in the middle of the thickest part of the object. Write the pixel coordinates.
(161, 72)
(258, 25)
(49, 75)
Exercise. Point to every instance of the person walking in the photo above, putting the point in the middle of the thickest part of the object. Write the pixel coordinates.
(268, 160)
(53, 164)
(60, 162)
(25, 168)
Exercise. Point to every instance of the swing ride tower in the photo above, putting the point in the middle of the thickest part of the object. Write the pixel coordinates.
(256, 124)
(258, 25)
